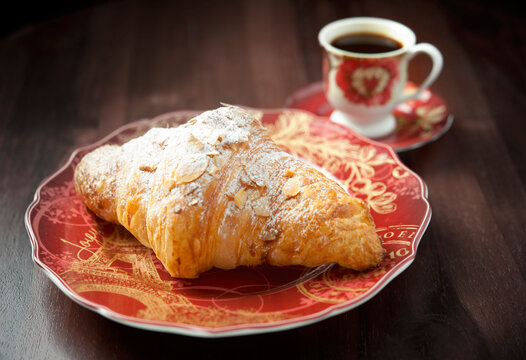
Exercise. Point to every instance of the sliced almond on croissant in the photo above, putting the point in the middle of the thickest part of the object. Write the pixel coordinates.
(191, 169)
(293, 186)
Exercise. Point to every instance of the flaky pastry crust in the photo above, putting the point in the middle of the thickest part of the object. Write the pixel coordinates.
(218, 192)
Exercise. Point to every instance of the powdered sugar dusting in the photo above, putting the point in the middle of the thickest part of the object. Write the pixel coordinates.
(174, 166)
(217, 180)
(226, 125)
(186, 153)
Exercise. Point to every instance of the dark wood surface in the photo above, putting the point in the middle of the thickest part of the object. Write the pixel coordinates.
(69, 80)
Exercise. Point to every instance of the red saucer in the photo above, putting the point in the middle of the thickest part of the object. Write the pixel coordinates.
(419, 121)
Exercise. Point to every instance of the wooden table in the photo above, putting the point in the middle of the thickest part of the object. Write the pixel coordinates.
(68, 81)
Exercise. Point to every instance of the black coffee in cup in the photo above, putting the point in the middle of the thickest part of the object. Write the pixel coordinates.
(366, 43)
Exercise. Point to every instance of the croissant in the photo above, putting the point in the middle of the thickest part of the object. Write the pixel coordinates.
(218, 192)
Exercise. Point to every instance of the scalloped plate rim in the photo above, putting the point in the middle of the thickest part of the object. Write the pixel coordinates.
(235, 330)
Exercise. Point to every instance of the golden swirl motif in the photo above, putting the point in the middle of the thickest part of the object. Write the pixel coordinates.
(292, 131)
(339, 285)
(160, 298)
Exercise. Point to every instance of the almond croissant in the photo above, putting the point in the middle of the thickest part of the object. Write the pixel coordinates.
(218, 192)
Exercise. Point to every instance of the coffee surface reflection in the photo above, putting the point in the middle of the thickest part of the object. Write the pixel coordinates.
(366, 43)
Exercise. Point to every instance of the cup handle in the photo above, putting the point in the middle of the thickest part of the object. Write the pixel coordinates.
(438, 61)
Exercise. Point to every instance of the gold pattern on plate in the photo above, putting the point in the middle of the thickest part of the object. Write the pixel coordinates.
(358, 164)
(136, 277)
(339, 285)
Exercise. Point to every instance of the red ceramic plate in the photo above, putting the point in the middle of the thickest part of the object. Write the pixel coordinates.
(102, 267)
(418, 122)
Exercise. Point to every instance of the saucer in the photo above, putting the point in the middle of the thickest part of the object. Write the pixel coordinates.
(418, 122)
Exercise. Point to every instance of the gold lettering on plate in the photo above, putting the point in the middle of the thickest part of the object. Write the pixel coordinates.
(398, 234)
(90, 240)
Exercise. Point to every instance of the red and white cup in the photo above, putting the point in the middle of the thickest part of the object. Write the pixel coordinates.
(364, 88)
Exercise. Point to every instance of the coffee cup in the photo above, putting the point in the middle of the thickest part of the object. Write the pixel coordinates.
(365, 71)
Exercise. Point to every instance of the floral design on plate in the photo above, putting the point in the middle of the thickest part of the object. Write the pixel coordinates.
(104, 268)
(419, 121)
